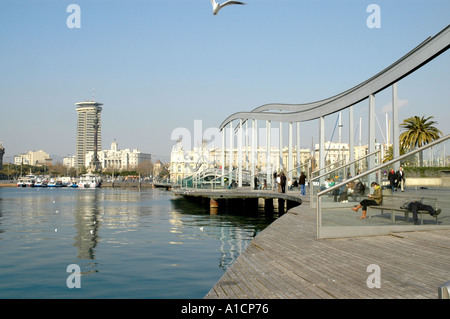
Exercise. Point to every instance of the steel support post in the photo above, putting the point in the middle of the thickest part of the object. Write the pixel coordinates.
(290, 159)
(239, 145)
(371, 134)
(395, 126)
(268, 173)
(351, 133)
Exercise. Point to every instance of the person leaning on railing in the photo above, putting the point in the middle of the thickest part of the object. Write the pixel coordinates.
(375, 199)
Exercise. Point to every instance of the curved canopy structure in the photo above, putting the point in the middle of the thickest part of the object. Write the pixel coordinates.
(415, 59)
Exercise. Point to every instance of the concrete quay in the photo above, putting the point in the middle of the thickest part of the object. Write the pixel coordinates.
(287, 261)
(8, 183)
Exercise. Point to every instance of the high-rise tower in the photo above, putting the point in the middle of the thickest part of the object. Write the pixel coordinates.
(89, 137)
(2, 151)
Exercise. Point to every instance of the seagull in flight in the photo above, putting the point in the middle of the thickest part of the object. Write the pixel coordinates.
(218, 6)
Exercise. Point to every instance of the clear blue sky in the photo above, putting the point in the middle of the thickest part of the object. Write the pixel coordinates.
(157, 65)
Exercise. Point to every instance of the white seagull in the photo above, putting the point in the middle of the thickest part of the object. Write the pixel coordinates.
(218, 6)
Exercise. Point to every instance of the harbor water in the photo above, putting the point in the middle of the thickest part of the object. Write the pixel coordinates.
(115, 243)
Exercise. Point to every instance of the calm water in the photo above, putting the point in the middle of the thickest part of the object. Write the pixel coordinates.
(128, 244)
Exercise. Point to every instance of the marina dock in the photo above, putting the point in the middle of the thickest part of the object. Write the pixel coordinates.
(287, 261)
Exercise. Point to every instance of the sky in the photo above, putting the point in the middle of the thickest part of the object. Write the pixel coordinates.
(160, 65)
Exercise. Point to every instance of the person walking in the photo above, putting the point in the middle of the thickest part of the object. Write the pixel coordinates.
(302, 182)
(275, 183)
(401, 178)
(392, 177)
(283, 182)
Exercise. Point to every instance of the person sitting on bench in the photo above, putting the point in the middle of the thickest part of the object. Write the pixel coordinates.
(416, 205)
(375, 199)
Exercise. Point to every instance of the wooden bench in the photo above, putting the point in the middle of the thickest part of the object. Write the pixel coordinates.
(395, 203)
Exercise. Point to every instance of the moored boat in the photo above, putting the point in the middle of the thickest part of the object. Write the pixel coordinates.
(72, 183)
(89, 181)
(55, 183)
(41, 182)
(66, 180)
(27, 181)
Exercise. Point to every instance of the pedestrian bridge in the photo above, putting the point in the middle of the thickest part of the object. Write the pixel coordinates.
(425, 52)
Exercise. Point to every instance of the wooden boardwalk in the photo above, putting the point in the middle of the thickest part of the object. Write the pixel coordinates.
(287, 261)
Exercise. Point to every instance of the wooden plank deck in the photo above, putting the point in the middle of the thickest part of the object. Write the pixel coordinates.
(287, 261)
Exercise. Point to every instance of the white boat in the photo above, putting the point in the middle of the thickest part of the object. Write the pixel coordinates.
(27, 181)
(89, 181)
(39, 182)
(21, 182)
(72, 183)
(66, 181)
(55, 183)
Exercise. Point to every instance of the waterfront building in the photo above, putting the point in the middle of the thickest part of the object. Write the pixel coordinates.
(33, 158)
(333, 152)
(158, 167)
(88, 127)
(69, 161)
(116, 159)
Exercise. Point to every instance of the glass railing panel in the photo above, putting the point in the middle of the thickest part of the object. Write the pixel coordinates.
(427, 180)
(342, 173)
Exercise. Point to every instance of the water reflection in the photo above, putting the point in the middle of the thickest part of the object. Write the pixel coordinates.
(86, 214)
(233, 227)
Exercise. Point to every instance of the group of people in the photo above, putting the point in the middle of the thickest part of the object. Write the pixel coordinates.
(342, 193)
(396, 179)
(281, 182)
(262, 185)
(376, 198)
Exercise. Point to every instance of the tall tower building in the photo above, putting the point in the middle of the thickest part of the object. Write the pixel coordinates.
(89, 137)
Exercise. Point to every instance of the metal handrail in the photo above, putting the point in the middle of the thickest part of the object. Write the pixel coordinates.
(221, 176)
(346, 164)
(311, 190)
(297, 167)
(331, 164)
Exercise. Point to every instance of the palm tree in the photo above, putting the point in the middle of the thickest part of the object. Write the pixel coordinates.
(390, 153)
(419, 131)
